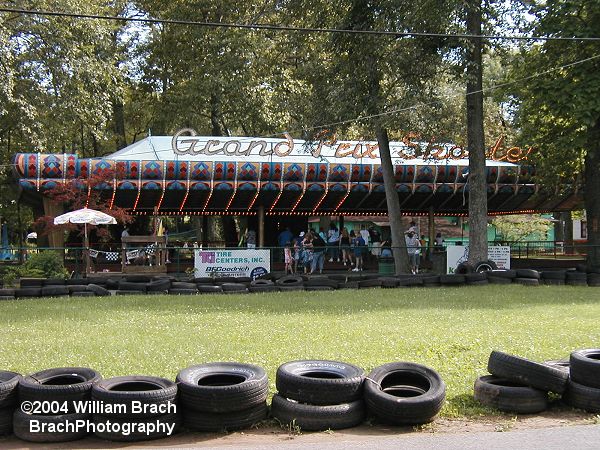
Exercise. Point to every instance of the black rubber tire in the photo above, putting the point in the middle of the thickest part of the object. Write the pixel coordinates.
(132, 286)
(583, 397)
(83, 294)
(221, 280)
(475, 277)
(28, 292)
(388, 282)
(320, 382)
(431, 279)
(31, 282)
(528, 273)
(183, 291)
(144, 279)
(312, 282)
(55, 291)
(7, 292)
(77, 281)
(234, 287)
(508, 396)
(552, 282)
(110, 284)
(182, 285)
(318, 417)
(123, 292)
(404, 393)
(498, 280)
(150, 392)
(362, 284)
(295, 287)
(585, 367)
(561, 364)
(503, 273)
(162, 285)
(260, 282)
(464, 268)
(485, 266)
(136, 436)
(527, 281)
(290, 280)
(478, 283)
(9, 382)
(98, 290)
(264, 288)
(228, 421)
(54, 282)
(6, 419)
(452, 280)
(21, 427)
(319, 288)
(531, 373)
(410, 281)
(209, 289)
(63, 384)
(204, 280)
(553, 275)
(222, 387)
(593, 279)
(576, 282)
(349, 285)
(73, 288)
(575, 276)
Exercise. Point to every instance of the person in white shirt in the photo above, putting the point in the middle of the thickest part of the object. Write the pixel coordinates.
(413, 246)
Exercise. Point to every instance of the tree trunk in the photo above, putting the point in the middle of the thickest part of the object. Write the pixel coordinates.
(592, 194)
(393, 204)
(215, 115)
(475, 136)
(119, 123)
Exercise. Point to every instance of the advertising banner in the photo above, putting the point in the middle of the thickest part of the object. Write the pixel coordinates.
(458, 254)
(232, 263)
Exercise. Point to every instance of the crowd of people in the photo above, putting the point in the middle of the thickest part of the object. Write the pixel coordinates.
(308, 251)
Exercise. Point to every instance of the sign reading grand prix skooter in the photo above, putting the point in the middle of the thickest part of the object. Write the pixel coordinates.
(232, 263)
(186, 142)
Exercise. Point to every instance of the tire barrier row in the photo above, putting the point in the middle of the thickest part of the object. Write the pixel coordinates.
(519, 385)
(312, 395)
(139, 284)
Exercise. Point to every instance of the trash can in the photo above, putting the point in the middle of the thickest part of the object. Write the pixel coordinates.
(386, 265)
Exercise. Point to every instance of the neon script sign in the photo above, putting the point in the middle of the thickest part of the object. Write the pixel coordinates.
(187, 142)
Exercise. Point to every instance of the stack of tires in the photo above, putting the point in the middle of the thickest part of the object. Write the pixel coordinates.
(290, 283)
(404, 393)
(319, 395)
(583, 389)
(9, 382)
(182, 288)
(576, 278)
(263, 286)
(50, 399)
(527, 277)
(553, 277)
(135, 408)
(223, 396)
(519, 385)
(501, 276)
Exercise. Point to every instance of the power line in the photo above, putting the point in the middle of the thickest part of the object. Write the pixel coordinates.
(286, 28)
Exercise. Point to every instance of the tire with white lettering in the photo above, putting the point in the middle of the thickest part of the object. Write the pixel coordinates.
(6, 418)
(228, 421)
(135, 396)
(318, 417)
(320, 382)
(9, 382)
(222, 387)
(531, 373)
(404, 393)
(65, 384)
(508, 396)
(136, 430)
(46, 429)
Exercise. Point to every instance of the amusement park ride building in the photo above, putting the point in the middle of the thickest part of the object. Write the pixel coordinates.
(271, 178)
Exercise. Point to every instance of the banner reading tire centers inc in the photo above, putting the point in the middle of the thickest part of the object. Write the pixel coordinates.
(232, 263)
(459, 254)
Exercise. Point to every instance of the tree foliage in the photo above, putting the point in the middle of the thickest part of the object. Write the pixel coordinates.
(519, 227)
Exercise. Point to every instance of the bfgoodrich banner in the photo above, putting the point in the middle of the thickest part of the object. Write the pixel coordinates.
(232, 263)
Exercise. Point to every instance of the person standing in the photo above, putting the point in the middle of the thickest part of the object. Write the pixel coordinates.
(307, 245)
(375, 241)
(284, 237)
(359, 247)
(288, 258)
(345, 247)
(319, 248)
(413, 246)
(333, 241)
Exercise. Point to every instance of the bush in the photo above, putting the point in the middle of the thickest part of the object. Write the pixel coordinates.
(45, 264)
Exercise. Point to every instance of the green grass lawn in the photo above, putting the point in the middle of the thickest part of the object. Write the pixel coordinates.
(450, 330)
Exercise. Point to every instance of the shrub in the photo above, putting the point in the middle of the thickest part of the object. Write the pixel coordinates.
(45, 264)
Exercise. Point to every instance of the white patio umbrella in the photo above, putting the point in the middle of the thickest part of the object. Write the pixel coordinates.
(85, 216)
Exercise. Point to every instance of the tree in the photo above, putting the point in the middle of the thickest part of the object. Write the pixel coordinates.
(519, 227)
(560, 111)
